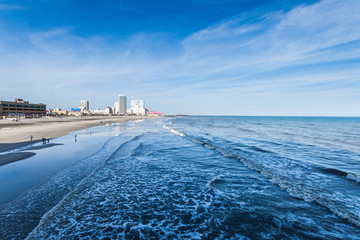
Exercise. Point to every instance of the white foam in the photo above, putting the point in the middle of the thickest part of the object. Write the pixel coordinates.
(177, 132)
(278, 172)
(353, 176)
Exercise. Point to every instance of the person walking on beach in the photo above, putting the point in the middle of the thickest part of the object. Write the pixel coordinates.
(75, 138)
(31, 137)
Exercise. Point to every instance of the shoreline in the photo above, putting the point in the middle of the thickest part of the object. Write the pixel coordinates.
(19, 133)
(14, 135)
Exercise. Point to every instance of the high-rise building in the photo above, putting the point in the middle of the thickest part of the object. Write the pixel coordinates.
(122, 104)
(138, 107)
(84, 105)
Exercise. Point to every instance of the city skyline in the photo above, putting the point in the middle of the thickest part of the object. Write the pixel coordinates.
(290, 58)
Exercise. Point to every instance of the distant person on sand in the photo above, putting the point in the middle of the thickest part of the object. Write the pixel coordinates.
(75, 138)
(31, 138)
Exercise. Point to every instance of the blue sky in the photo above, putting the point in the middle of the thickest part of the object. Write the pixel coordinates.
(245, 57)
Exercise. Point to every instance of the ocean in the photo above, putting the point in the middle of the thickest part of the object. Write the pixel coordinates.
(195, 177)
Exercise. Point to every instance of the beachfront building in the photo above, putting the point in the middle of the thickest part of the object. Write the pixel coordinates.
(21, 108)
(98, 111)
(154, 114)
(122, 104)
(109, 110)
(116, 108)
(138, 107)
(58, 111)
(84, 105)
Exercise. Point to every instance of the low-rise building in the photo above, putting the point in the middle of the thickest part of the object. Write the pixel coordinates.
(152, 113)
(98, 111)
(21, 108)
(59, 111)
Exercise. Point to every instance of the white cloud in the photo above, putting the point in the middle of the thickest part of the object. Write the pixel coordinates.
(293, 38)
(276, 55)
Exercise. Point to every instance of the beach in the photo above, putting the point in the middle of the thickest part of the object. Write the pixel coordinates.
(17, 134)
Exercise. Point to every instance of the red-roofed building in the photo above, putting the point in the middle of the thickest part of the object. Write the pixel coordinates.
(154, 113)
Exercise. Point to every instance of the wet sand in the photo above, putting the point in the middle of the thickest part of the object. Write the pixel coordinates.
(13, 157)
(14, 135)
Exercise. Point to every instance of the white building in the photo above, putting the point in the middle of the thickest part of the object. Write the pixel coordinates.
(109, 110)
(84, 105)
(116, 108)
(138, 107)
(99, 111)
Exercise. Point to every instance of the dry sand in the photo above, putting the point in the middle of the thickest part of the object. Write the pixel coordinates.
(15, 134)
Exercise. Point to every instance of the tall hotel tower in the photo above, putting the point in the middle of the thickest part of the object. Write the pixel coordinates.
(122, 104)
(84, 105)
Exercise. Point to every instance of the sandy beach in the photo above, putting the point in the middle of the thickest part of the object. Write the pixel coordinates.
(18, 134)
(21, 132)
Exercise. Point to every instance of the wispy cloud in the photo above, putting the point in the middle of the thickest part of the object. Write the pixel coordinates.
(247, 58)
(304, 34)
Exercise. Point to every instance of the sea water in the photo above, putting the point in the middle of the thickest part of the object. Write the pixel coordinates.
(203, 178)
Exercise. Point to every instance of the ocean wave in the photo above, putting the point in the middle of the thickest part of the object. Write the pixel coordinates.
(257, 149)
(177, 132)
(333, 171)
(123, 151)
(139, 199)
(217, 181)
(348, 175)
(173, 130)
(346, 207)
(160, 196)
(353, 176)
(25, 212)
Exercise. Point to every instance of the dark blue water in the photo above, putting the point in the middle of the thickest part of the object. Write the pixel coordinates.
(205, 178)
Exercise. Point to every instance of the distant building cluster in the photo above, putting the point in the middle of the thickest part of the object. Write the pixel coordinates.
(20, 108)
(120, 107)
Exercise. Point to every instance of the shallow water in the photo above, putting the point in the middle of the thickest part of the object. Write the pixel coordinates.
(204, 177)
(21, 176)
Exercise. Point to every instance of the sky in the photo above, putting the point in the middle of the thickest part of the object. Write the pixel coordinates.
(199, 57)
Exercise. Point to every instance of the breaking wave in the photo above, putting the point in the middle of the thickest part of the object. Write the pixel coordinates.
(285, 173)
(340, 173)
(353, 176)
(173, 130)
(125, 149)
